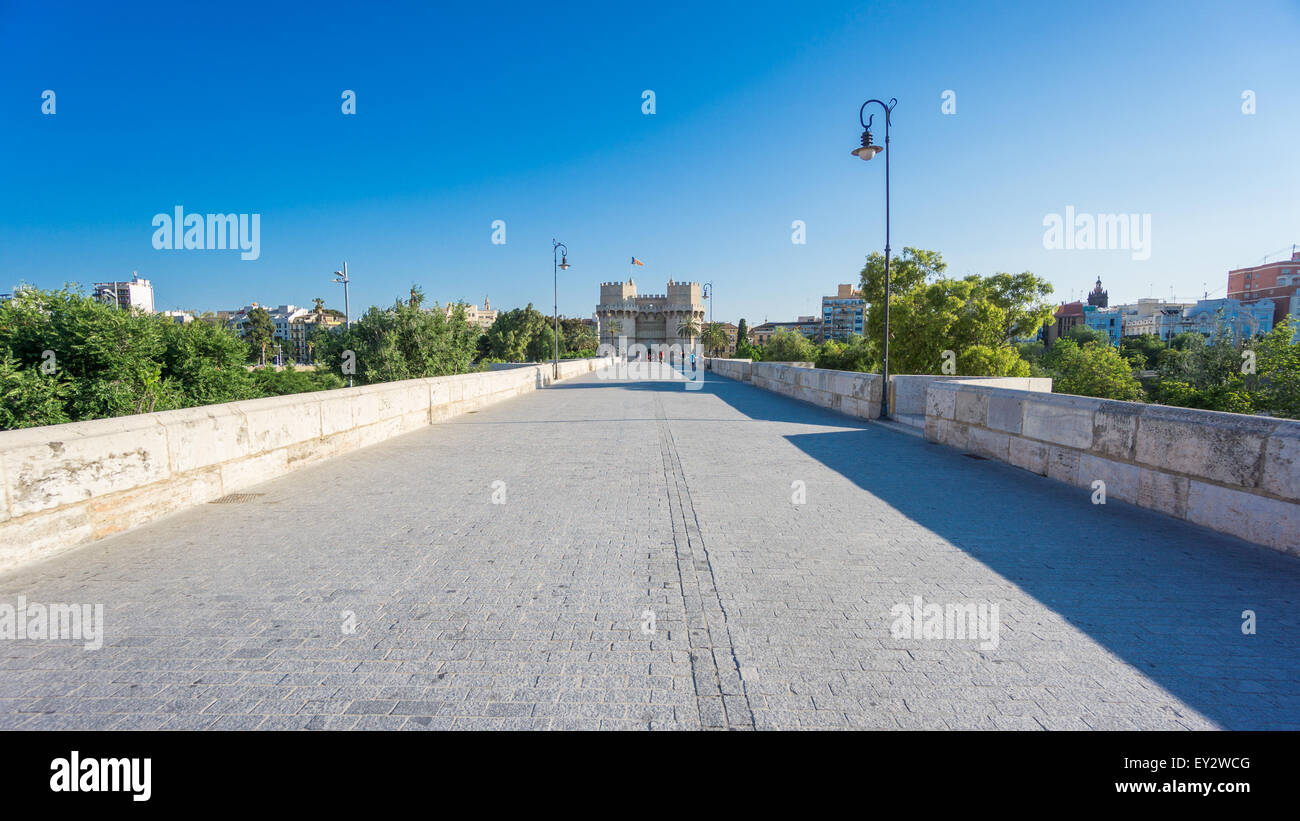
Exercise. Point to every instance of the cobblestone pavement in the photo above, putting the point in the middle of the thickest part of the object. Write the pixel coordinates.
(503, 570)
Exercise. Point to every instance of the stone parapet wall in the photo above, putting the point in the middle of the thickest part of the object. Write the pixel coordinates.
(1233, 473)
(855, 394)
(70, 484)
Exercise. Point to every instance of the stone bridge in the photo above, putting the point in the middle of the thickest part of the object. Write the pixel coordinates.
(599, 553)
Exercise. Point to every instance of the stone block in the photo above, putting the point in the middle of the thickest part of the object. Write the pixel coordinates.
(56, 465)
(1059, 420)
(1248, 516)
(971, 407)
(989, 443)
(1223, 447)
(1028, 454)
(941, 401)
(254, 470)
(204, 436)
(1163, 492)
(1114, 429)
(1121, 478)
(280, 421)
(116, 512)
(1005, 413)
(1281, 473)
(1063, 464)
(39, 535)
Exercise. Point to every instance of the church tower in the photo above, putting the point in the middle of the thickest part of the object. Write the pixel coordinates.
(1098, 298)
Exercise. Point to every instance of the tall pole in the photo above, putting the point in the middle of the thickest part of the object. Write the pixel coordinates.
(342, 276)
(347, 304)
(884, 385)
(555, 307)
(555, 315)
(866, 152)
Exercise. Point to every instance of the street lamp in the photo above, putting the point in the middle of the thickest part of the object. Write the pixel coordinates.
(342, 276)
(561, 265)
(868, 150)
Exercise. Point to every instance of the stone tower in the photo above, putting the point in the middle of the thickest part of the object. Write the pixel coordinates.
(648, 319)
(1098, 297)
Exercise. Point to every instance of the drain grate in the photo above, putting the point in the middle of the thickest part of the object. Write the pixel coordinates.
(976, 456)
(235, 498)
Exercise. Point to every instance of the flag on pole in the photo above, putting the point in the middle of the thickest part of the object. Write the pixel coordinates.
(636, 261)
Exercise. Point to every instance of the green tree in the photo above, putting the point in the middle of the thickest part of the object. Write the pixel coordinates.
(402, 342)
(906, 272)
(206, 363)
(1204, 373)
(688, 328)
(1082, 335)
(984, 360)
(789, 346)
(613, 327)
(1093, 370)
(1143, 350)
(271, 382)
(513, 336)
(931, 314)
(259, 330)
(577, 337)
(1277, 363)
(110, 362)
(714, 338)
(857, 353)
(29, 397)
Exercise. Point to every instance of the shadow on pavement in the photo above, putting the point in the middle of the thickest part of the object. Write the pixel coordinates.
(1164, 595)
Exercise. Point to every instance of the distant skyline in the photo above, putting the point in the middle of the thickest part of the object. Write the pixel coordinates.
(532, 115)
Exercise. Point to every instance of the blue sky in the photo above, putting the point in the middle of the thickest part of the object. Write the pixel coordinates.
(531, 114)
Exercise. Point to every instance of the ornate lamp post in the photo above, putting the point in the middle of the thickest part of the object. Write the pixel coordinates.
(556, 266)
(866, 152)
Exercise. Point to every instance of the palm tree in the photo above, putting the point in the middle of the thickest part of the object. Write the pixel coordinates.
(318, 306)
(613, 327)
(688, 328)
(714, 337)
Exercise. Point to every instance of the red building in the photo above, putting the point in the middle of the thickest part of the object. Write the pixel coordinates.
(1066, 317)
(1277, 281)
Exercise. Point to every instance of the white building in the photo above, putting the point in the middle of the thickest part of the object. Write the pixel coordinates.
(482, 318)
(133, 293)
(1151, 316)
(282, 317)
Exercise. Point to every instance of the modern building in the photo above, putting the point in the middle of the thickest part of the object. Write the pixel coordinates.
(843, 314)
(132, 293)
(648, 319)
(179, 317)
(1108, 320)
(1275, 281)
